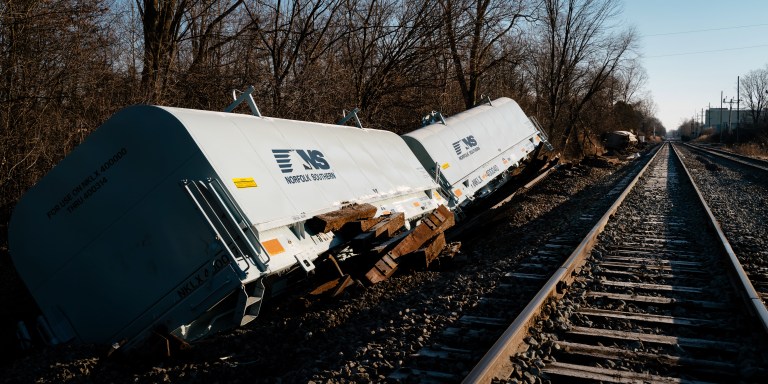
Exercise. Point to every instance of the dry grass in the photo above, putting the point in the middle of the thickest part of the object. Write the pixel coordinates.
(759, 150)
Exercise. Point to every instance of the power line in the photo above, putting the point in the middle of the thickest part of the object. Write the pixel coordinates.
(706, 30)
(710, 51)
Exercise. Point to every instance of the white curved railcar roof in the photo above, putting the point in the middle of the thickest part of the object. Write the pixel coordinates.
(470, 139)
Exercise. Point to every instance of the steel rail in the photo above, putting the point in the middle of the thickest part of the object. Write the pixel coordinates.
(729, 153)
(497, 358)
(496, 362)
(735, 157)
(743, 284)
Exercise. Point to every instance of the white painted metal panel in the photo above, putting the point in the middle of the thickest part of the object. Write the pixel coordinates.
(330, 165)
(470, 144)
(109, 232)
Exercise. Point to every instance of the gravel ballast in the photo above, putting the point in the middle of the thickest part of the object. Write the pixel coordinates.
(362, 336)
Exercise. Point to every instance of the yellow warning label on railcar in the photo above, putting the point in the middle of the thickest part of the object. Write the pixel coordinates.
(244, 182)
(273, 247)
(445, 166)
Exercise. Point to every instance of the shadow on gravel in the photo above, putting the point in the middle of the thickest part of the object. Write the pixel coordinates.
(363, 334)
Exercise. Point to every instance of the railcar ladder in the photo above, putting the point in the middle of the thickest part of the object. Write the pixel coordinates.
(228, 223)
(542, 134)
(445, 187)
(235, 233)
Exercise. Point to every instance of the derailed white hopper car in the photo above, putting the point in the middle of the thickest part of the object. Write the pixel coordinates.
(470, 153)
(170, 219)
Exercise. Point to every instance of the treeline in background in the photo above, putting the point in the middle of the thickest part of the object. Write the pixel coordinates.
(67, 65)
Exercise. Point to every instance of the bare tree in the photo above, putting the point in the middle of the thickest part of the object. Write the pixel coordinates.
(54, 69)
(654, 127)
(294, 35)
(388, 53)
(477, 36)
(754, 91)
(575, 57)
(208, 31)
(632, 79)
(161, 20)
(166, 24)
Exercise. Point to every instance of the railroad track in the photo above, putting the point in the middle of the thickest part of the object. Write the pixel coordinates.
(736, 188)
(653, 294)
(751, 162)
(452, 354)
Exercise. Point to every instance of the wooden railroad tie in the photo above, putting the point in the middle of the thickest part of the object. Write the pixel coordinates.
(428, 234)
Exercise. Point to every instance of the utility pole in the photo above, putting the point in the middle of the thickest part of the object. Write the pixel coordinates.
(720, 127)
(693, 132)
(738, 108)
(696, 122)
(730, 109)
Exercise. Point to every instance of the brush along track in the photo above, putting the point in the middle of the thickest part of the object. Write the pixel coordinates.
(737, 192)
(657, 299)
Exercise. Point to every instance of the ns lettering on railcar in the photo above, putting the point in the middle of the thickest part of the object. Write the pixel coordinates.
(471, 153)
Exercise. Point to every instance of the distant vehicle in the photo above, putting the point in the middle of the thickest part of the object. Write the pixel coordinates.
(619, 140)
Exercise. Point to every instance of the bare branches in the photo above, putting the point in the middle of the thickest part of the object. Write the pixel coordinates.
(754, 91)
(53, 70)
(67, 65)
(474, 35)
(576, 57)
(387, 49)
(294, 35)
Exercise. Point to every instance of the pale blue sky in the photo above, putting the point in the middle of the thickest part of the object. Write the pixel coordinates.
(686, 69)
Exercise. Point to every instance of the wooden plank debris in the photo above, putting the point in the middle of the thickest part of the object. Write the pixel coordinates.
(437, 222)
(382, 270)
(367, 224)
(429, 252)
(428, 230)
(333, 221)
(432, 249)
(334, 287)
(389, 226)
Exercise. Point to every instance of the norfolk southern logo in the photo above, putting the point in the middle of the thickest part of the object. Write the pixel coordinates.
(301, 166)
(465, 147)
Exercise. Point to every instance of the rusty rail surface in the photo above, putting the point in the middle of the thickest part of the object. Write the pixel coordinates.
(739, 275)
(497, 362)
(730, 156)
(496, 359)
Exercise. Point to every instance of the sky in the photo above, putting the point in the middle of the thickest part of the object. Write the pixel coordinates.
(694, 49)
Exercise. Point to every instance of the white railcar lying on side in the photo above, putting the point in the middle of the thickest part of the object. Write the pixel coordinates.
(170, 219)
(470, 154)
